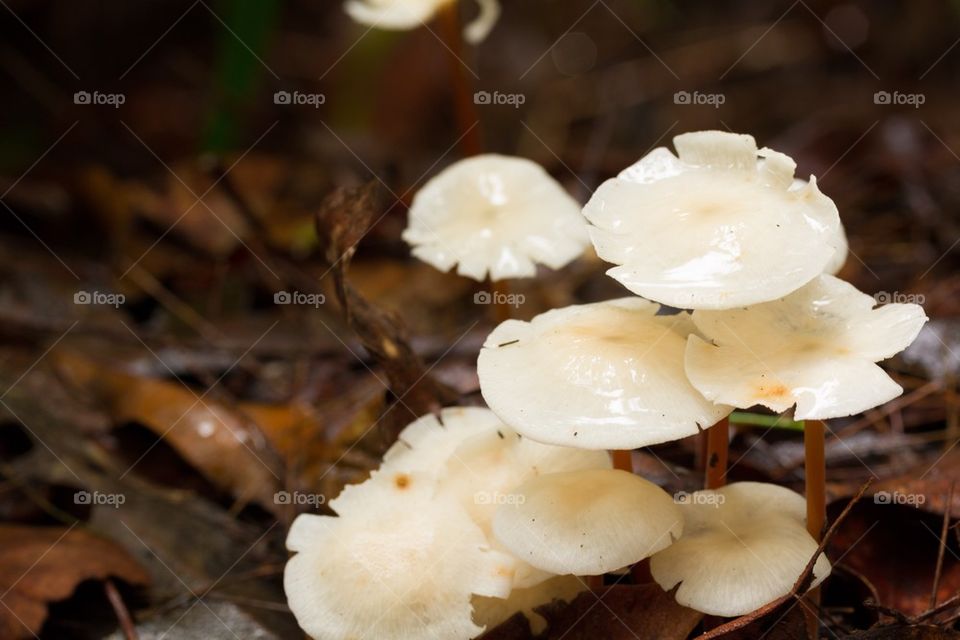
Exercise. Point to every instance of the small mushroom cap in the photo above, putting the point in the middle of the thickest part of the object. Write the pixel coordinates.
(393, 14)
(607, 375)
(428, 442)
(490, 612)
(496, 215)
(399, 569)
(713, 228)
(409, 14)
(743, 545)
(587, 522)
(816, 348)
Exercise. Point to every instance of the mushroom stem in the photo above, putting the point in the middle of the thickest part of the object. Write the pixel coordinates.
(718, 441)
(622, 459)
(816, 476)
(468, 120)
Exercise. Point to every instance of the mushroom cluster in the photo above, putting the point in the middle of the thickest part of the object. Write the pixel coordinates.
(476, 514)
(410, 551)
(741, 256)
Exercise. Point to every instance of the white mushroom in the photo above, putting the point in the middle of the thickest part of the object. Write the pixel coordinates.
(490, 612)
(587, 522)
(471, 455)
(816, 348)
(396, 569)
(743, 545)
(496, 215)
(409, 14)
(839, 258)
(607, 375)
(714, 228)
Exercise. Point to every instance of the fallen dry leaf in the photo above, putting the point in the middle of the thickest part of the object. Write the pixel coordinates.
(624, 612)
(40, 565)
(222, 442)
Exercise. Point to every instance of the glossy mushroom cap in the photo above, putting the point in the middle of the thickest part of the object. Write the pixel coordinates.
(743, 545)
(401, 568)
(409, 14)
(607, 375)
(496, 216)
(815, 348)
(587, 522)
(713, 228)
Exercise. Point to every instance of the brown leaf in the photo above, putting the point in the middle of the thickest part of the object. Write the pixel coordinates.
(900, 632)
(624, 612)
(39, 565)
(222, 442)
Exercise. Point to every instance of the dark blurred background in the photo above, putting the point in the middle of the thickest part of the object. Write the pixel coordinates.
(159, 192)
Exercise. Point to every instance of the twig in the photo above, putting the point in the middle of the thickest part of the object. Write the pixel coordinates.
(121, 611)
(943, 547)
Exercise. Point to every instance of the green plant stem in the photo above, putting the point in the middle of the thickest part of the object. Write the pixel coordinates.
(763, 420)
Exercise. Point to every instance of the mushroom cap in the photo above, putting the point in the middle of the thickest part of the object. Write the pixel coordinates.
(485, 471)
(398, 569)
(490, 612)
(496, 215)
(816, 348)
(607, 375)
(713, 228)
(393, 14)
(587, 522)
(743, 545)
(409, 14)
(839, 258)
(475, 459)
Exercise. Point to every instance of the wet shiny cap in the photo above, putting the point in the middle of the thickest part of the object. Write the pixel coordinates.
(716, 226)
(607, 375)
(815, 348)
(495, 216)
